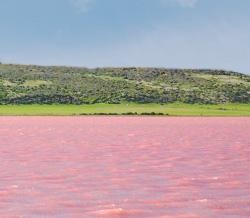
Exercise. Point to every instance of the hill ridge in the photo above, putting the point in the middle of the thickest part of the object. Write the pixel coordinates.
(29, 84)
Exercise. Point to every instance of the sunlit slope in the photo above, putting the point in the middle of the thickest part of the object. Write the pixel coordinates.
(20, 84)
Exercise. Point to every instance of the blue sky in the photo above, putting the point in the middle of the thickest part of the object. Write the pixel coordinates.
(157, 33)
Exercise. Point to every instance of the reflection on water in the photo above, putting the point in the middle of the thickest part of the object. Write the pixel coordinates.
(150, 167)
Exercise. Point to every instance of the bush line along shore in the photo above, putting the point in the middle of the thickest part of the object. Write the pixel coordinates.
(132, 109)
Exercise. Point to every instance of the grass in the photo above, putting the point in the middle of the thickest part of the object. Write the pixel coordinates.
(175, 109)
(34, 83)
(222, 78)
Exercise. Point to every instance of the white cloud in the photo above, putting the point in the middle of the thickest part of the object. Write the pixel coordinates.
(216, 47)
(221, 46)
(187, 3)
(81, 5)
(182, 3)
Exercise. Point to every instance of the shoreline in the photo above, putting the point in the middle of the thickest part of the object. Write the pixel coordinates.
(128, 109)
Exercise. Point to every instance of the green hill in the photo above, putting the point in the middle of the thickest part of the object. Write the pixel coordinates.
(27, 84)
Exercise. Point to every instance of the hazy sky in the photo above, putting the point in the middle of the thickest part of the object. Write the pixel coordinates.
(161, 33)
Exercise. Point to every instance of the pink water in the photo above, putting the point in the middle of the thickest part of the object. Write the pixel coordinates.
(129, 167)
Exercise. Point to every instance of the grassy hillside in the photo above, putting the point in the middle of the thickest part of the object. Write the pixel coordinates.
(20, 84)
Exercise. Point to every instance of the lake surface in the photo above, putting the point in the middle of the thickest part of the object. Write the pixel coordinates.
(135, 167)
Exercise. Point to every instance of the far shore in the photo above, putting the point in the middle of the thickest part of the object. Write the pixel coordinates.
(131, 109)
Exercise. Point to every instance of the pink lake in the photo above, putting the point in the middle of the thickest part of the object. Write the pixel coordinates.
(129, 167)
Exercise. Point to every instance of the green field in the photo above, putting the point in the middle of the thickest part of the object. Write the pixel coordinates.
(175, 109)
